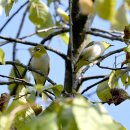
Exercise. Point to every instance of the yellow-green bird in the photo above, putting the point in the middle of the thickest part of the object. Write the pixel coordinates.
(41, 62)
(92, 52)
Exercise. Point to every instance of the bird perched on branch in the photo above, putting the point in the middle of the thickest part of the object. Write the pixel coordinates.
(91, 52)
(41, 62)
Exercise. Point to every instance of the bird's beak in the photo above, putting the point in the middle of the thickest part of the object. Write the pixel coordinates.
(111, 45)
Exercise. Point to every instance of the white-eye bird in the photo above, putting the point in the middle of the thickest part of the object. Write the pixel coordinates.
(91, 53)
(41, 62)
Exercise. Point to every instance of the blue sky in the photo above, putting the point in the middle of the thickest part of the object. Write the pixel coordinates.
(120, 113)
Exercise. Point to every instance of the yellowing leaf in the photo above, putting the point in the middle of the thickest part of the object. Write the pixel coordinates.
(49, 23)
(120, 20)
(2, 56)
(103, 91)
(125, 78)
(114, 77)
(106, 8)
(65, 37)
(8, 6)
(128, 3)
(63, 14)
(86, 6)
(5, 122)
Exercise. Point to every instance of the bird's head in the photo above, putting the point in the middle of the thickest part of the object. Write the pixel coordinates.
(106, 45)
(39, 51)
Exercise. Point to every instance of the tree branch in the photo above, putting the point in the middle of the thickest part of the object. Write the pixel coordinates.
(91, 77)
(34, 44)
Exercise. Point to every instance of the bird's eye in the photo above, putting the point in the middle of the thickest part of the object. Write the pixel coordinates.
(38, 49)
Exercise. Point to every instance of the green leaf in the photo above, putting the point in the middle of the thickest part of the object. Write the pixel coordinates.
(106, 9)
(46, 122)
(49, 2)
(128, 3)
(125, 78)
(67, 119)
(65, 38)
(5, 122)
(79, 114)
(88, 116)
(11, 87)
(127, 49)
(8, 6)
(63, 14)
(57, 89)
(120, 20)
(32, 96)
(20, 112)
(103, 91)
(49, 23)
(113, 78)
(2, 56)
(39, 13)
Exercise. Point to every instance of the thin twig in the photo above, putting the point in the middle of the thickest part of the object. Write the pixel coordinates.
(110, 53)
(117, 38)
(15, 82)
(91, 77)
(15, 79)
(54, 34)
(11, 17)
(18, 33)
(49, 96)
(20, 96)
(110, 32)
(91, 86)
(109, 68)
(44, 30)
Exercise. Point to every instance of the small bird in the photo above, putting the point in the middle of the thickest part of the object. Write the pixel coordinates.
(41, 62)
(91, 53)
